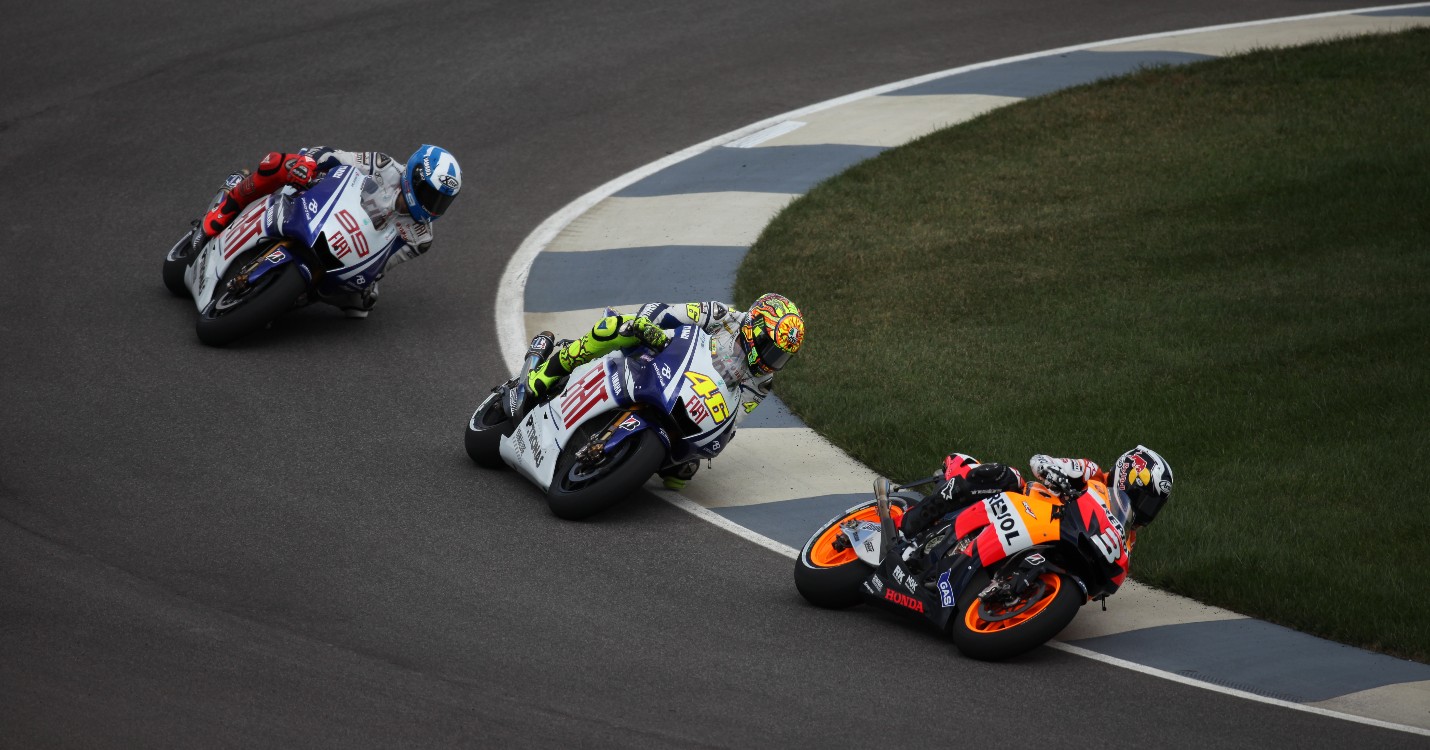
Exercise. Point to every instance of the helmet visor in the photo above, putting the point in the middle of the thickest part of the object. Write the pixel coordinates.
(434, 201)
(1145, 504)
(769, 354)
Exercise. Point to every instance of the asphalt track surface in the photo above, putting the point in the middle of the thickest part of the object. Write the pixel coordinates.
(282, 543)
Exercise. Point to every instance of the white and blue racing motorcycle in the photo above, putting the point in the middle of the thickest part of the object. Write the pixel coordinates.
(611, 424)
(285, 251)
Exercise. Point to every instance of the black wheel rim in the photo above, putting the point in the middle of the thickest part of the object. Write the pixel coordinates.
(579, 475)
(229, 300)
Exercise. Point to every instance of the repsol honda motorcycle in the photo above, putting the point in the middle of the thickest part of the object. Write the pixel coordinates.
(285, 251)
(611, 424)
(1000, 576)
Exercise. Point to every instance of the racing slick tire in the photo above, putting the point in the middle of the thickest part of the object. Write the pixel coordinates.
(176, 262)
(991, 633)
(231, 316)
(576, 493)
(488, 425)
(827, 576)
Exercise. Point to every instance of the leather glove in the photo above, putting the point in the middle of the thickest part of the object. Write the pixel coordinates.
(300, 171)
(649, 333)
(1063, 476)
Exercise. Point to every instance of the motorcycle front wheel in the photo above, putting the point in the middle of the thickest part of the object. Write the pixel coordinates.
(827, 572)
(578, 490)
(991, 631)
(235, 314)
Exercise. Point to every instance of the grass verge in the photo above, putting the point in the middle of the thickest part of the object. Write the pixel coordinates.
(1228, 262)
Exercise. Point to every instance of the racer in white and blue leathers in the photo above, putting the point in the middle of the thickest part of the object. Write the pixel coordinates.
(415, 195)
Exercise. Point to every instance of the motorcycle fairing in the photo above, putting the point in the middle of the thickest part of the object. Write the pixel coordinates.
(1089, 526)
(329, 215)
(278, 255)
(623, 379)
(247, 230)
(1009, 522)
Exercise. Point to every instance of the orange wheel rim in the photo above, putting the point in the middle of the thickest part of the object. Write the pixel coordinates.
(1052, 584)
(822, 553)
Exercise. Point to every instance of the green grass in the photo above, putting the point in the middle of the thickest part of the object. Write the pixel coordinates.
(1228, 262)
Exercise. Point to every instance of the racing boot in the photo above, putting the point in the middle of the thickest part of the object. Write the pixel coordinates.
(611, 333)
(675, 477)
(276, 170)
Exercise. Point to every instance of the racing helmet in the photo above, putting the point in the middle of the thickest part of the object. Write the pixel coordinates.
(1142, 481)
(773, 332)
(430, 182)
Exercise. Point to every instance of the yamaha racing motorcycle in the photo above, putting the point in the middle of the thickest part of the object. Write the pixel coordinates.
(1000, 576)
(611, 424)
(285, 251)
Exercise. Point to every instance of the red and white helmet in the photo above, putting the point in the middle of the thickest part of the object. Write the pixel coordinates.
(1142, 482)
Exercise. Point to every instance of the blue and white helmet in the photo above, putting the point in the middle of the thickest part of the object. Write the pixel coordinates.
(430, 182)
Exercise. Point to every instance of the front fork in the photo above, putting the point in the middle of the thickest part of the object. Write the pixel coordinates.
(594, 451)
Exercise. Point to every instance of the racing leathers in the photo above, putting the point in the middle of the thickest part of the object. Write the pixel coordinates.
(650, 325)
(300, 170)
(966, 481)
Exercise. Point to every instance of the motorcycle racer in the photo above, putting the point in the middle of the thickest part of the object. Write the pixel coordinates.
(1140, 484)
(414, 196)
(749, 347)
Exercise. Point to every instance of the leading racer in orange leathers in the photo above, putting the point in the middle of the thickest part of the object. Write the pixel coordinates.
(1139, 484)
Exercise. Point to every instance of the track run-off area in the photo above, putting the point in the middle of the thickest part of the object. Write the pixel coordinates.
(282, 543)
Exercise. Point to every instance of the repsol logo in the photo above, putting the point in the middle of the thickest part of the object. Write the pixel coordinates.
(1003, 518)
(903, 600)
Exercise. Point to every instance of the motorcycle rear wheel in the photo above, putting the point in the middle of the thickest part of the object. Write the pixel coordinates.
(232, 316)
(488, 425)
(991, 633)
(577, 493)
(176, 262)
(829, 577)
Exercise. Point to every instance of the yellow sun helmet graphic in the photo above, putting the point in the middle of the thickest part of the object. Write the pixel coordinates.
(774, 331)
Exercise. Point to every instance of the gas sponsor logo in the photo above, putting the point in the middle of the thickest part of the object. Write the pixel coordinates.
(903, 600)
(945, 590)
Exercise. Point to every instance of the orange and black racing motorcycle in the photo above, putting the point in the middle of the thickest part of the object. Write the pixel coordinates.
(1001, 576)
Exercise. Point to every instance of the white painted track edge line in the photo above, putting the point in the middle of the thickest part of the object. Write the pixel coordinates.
(705, 514)
(511, 327)
(1174, 677)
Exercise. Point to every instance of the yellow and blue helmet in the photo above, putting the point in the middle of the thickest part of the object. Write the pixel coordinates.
(773, 332)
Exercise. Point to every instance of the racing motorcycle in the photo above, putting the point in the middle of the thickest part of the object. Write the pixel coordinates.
(285, 251)
(1000, 576)
(611, 424)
